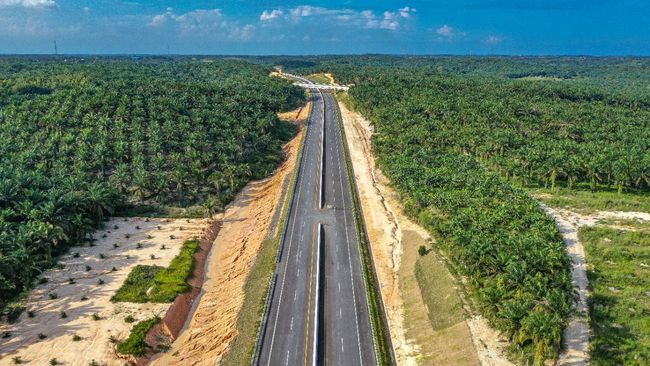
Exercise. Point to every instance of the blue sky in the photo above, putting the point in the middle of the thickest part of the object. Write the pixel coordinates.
(518, 27)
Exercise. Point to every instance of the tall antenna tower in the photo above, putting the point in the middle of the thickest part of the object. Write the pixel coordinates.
(56, 50)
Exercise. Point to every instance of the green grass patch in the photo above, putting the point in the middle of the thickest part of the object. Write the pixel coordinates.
(587, 201)
(135, 345)
(438, 293)
(319, 78)
(619, 306)
(136, 284)
(159, 284)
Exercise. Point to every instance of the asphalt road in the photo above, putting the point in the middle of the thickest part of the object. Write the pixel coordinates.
(289, 336)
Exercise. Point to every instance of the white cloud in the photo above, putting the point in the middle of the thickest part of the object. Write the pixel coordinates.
(270, 15)
(28, 3)
(448, 33)
(406, 11)
(492, 40)
(390, 20)
(206, 22)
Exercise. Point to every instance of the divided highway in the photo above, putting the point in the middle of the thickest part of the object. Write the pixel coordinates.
(318, 312)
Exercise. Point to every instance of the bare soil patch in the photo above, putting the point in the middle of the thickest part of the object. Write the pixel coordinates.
(80, 295)
(247, 222)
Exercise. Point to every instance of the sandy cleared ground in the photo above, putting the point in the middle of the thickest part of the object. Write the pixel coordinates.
(577, 333)
(394, 239)
(246, 224)
(94, 343)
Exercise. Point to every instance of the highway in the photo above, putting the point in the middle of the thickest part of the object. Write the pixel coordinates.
(318, 312)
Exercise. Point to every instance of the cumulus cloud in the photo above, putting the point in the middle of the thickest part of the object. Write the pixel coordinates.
(448, 33)
(406, 11)
(203, 22)
(270, 15)
(492, 40)
(28, 3)
(390, 20)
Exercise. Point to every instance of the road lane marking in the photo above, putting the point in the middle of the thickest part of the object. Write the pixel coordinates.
(286, 263)
(311, 273)
(347, 240)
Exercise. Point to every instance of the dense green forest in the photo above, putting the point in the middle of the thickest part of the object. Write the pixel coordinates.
(81, 138)
(461, 137)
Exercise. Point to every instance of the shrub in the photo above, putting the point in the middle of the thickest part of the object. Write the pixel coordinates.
(17, 360)
(113, 269)
(42, 336)
(152, 256)
(30, 314)
(100, 282)
(76, 338)
(42, 280)
(54, 362)
(422, 250)
(115, 245)
(135, 344)
(63, 315)
(75, 255)
(84, 298)
(88, 268)
(6, 335)
(129, 319)
(71, 281)
(96, 317)
(138, 246)
(112, 339)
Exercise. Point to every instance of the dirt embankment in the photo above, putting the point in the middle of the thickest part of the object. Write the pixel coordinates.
(395, 239)
(246, 224)
(65, 305)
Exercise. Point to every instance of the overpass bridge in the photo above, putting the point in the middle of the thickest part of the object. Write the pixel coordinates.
(320, 86)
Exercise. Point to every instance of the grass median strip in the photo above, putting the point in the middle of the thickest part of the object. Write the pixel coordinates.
(159, 284)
